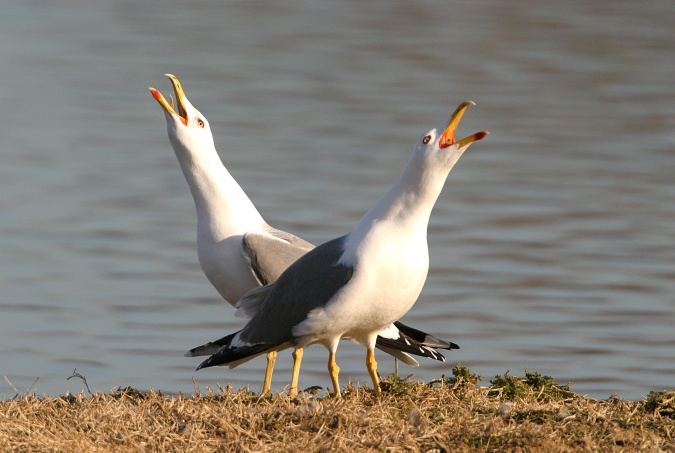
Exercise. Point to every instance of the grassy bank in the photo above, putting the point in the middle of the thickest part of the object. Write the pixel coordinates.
(531, 413)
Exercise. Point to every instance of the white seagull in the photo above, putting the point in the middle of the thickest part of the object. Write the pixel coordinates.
(357, 285)
(237, 249)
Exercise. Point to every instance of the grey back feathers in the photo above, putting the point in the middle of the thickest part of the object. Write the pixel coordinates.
(270, 254)
(308, 283)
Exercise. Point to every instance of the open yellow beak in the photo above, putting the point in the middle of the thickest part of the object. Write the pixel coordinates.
(168, 106)
(448, 137)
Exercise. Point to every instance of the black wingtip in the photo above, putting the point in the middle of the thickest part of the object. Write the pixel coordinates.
(409, 346)
(221, 358)
(226, 356)
(424, 338)
(434, 354)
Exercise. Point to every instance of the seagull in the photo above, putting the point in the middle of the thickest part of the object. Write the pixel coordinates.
(237, 250)
(355, 286)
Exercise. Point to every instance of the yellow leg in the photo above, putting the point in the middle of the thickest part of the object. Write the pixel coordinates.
(297, 360)
(334, 370)
(271, 358)
(371, 364)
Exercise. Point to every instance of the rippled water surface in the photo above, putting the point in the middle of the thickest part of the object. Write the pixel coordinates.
(552, 244)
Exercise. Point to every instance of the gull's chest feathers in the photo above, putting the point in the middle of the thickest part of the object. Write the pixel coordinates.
(390, 267)
(226, 268)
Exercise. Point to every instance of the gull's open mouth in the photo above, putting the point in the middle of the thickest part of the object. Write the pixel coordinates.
(448, 136)
(180, 111)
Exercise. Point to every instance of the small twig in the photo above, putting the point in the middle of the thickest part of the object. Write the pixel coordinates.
(227, 389)
(198, 394)
(78, 375)
(11, 385)
(15, 389)
(32, 385)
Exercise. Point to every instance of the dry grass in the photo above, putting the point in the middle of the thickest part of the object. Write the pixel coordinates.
(451, 414)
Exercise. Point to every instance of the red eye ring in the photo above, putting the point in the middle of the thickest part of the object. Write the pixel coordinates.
(426, 139)
(200, 123)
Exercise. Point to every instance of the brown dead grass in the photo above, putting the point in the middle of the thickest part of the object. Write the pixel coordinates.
(451, 414)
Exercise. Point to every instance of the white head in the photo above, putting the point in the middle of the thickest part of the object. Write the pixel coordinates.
(188, 129)
(437, 150)
(412, 197)
(223, 209)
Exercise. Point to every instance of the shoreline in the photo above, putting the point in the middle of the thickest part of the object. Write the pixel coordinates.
(531, 413)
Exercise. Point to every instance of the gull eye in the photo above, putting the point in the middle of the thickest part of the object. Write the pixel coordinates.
(200, 123)
(426, 139)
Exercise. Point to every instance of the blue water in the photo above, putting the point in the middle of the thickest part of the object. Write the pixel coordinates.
(552, 245)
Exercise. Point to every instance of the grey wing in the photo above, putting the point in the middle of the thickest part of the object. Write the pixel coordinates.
(250, 302)
(269, 255)
(292, 239)
(308, 283)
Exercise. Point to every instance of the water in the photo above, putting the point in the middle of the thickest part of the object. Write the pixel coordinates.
(552, 245)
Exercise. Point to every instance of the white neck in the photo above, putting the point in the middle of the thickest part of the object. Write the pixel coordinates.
(410, 201)
(223, 209)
